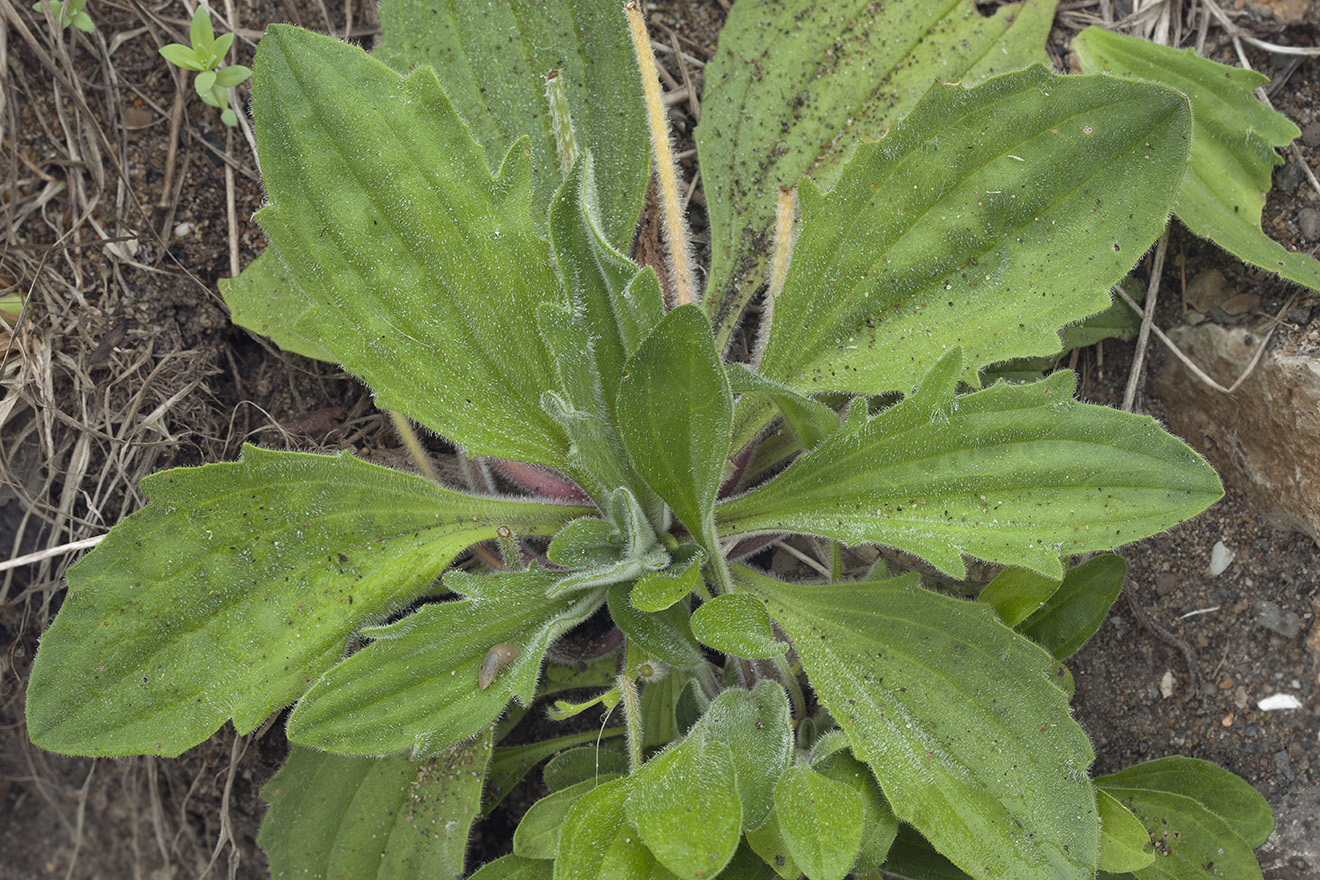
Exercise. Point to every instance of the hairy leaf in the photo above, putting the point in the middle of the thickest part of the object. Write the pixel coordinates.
(879, 824)
(586, 762)
(684, 803)
(537, 833)
(1012, 474)
(1190, 842)
(737, 624)
(820, 820)
(665, 635)
(235, 586)
(421, 270)
(416, 685)
(374, 819)
(755, 725)
(596, 841)
(513, 867)
(1016, 593)
(795, 84)
(1233, 145)
(674, 412)
(958, 717)
(987, 219)
(660, 589)
(493, 59)
(509, 764)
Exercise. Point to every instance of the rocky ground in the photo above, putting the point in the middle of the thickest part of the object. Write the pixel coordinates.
(125, 199)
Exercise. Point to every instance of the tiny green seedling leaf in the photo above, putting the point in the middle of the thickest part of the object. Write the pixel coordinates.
(205, 56)
(70, 12)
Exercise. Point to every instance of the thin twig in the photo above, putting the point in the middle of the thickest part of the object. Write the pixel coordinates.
(50, 552)
(1147, 321)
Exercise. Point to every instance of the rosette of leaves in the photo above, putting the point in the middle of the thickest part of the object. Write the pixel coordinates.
(205, 56)
(858, 723)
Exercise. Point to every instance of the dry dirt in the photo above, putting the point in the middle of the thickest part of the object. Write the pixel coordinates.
(125, 199)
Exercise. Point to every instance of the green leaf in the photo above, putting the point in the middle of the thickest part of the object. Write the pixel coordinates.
(264, 299)
(416, 685)
(509, 764)
(737, 624)
(1218, 790)
(986, 219)
(794, 87)
(912, 858)
(810, 420)
(684, 803)
(1013, 474)
(767, 841)
(1078, 607)
(233, 75)
(200, 31)
(755, 725)
(1124, 842)
(537, 833)
(513, 867)
(596, 842)
(660, 589)
(1190, 842)
(237, 584)
(386, 818)
(674, 413)
(1017, 592)
(820, 820)
(747, 865)
(1233, 145)
(203, 83)
(421, 270)
(180, 56)
(879, 824)
(493, 60)
(957, 716)
(585, 542)
(665, 635)
(588, 762)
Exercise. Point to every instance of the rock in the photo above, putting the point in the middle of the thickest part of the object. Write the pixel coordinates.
(1221, 557)
(1286, 623)
(1261, 438)
(1311, 135)
(1289, 176)
(1241, 304)
(1208, 290)
(1308, 223)
(1165, 583)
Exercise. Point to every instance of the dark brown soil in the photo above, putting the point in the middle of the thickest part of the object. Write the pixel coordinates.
(128, 364)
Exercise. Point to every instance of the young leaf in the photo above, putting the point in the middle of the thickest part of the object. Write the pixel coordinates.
(1012, 474)
(186, 614)
(665, 635)
(1017, 592)
(1016, 204)
(789, 94)
(596, 841)
(767, 841)
(1190, 842)
(957, 716)
(674, 413)
(810, 420)
(912, 858)
(416, 686)
(1218, 790)
(879, 824)
(373, 819)
(755, 725)
(493, 60)
(684, 803)
(1078, 607)
(1124, 841)
(737, 624)
(820, 820)
(421, 270)
(1233, 145)
(537, 833)
(660, 589)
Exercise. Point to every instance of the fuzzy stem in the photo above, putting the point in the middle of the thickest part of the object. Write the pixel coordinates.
(676, 239)
(785, 208)
(632, 715)
(561, 122)
(414, 446)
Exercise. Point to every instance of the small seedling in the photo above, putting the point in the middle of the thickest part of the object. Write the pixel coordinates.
(205, 56)
(71, 12)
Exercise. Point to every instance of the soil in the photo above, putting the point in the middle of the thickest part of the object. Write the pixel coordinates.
(127, 363)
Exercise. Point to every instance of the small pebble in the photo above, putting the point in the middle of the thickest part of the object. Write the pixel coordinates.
(1165, 583)
(1285, 623)
(1311, 135)
(1227, 720)
(1289, 176)
(1308, 223)
(1283, 761)
(1226, 684)
(1277, 702)
(1166, 685)
(1220, 559)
